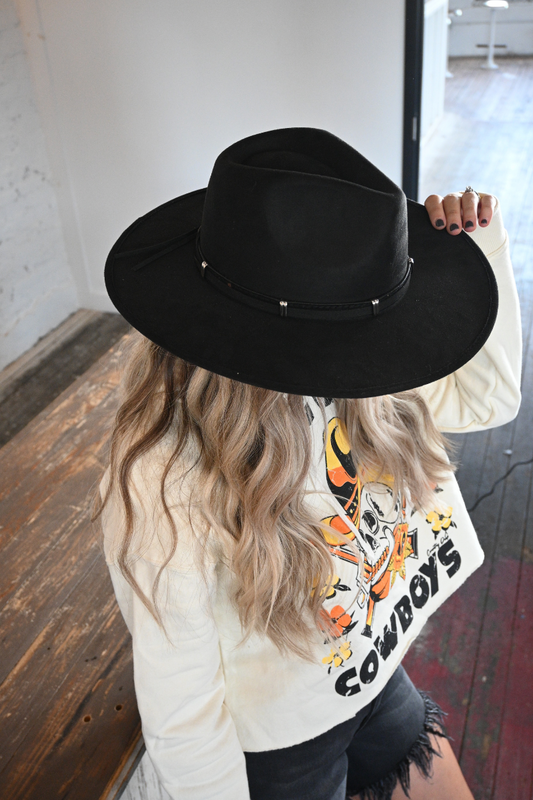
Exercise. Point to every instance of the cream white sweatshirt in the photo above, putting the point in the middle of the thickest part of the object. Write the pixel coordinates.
(203, 696)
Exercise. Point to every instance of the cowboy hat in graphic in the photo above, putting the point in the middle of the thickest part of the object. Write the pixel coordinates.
(302, 268)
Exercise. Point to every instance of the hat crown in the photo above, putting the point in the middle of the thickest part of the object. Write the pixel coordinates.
(300, 215)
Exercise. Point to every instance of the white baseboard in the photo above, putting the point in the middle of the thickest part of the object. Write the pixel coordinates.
(514, 30)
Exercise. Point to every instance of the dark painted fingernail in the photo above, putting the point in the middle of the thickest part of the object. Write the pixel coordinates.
(483, 221)
(454, 227)
(440, 223)
(469, 224)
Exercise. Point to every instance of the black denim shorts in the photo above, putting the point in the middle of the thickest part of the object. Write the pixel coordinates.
(367, 755)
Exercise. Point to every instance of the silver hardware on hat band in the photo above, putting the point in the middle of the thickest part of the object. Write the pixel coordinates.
(303, 309)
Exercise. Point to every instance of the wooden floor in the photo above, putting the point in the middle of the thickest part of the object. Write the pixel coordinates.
(69, 727)
(26, 396)
(476, 653)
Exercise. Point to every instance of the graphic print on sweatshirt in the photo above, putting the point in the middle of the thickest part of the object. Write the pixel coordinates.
(397, 567)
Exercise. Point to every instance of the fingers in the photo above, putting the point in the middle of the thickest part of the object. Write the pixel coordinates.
(445, 212)
(486, 207)
(469, 203)
(435, 210)
(452, 212)
(460, 210)
(477, 210)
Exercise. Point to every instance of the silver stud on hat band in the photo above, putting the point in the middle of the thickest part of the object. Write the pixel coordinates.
(303, 309)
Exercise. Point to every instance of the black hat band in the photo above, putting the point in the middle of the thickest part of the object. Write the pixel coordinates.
(301, 310)
(273, 305)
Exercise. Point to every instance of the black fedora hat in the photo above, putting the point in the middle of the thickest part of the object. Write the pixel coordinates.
(302, 268)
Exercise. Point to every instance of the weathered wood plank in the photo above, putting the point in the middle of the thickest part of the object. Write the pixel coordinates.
(501, 520)
(498, 651)
(47, 663)
(58, 566)
(47, 543)
(82, 739)
(70, 726)
(469, 656)
(504, 95)
(57, 434)
(464, 657)
(34, 388)
(514, 767)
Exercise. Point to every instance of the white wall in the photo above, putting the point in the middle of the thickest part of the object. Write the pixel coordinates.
(139, 96)
(37, 290)
(514, 29)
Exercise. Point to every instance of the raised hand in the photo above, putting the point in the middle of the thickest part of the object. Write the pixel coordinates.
(460, 210)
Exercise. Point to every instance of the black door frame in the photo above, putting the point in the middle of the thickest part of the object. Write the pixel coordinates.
(412, 100)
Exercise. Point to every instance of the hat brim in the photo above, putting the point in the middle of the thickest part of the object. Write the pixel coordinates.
(444, 319)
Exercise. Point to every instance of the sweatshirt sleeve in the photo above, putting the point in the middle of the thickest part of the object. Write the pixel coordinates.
(485, 392)
(179, 682)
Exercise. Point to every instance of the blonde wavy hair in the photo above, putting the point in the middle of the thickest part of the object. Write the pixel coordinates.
(252, 455)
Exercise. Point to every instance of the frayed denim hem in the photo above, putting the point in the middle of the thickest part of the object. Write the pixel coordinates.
(421, 754)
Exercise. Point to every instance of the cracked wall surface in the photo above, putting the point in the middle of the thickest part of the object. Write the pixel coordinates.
(37, 290)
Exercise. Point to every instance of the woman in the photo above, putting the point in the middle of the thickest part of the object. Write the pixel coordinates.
(274, 551)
